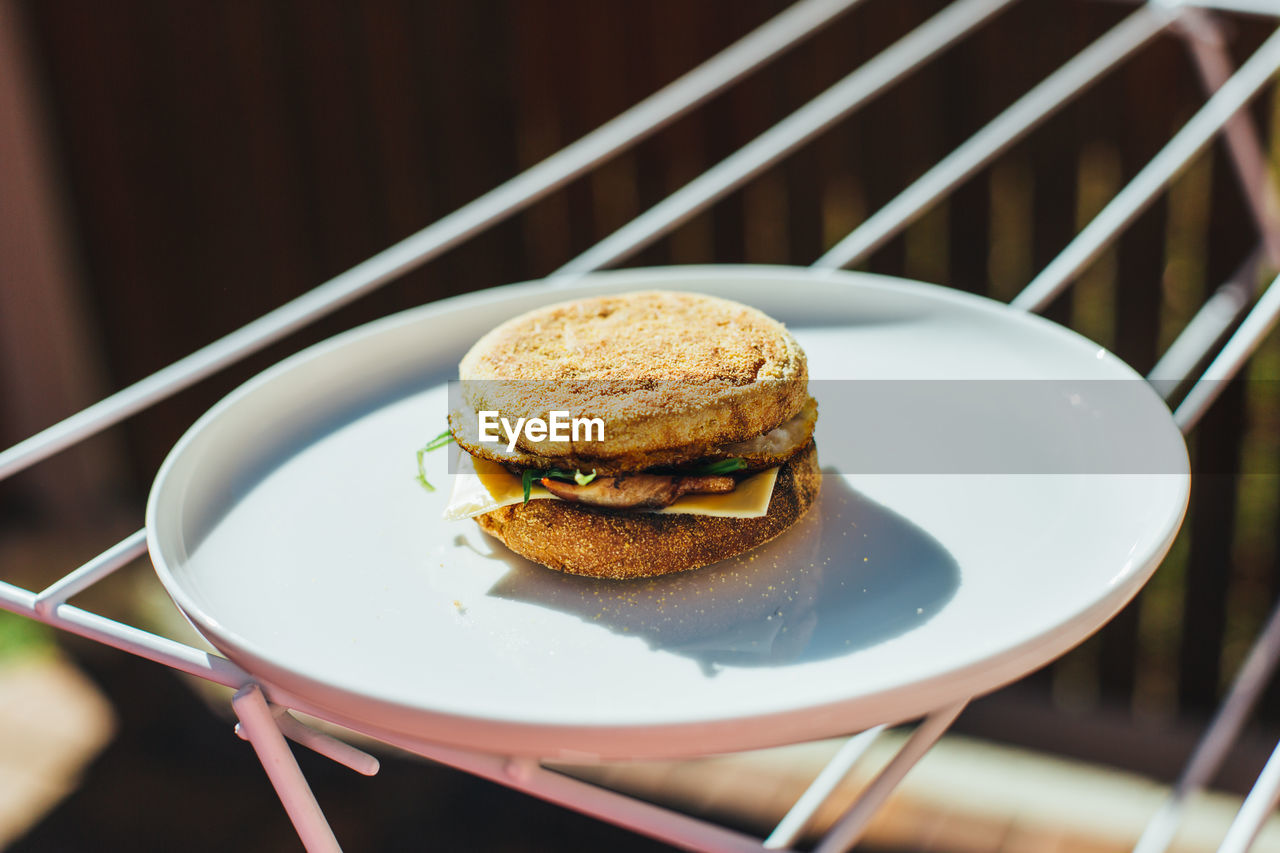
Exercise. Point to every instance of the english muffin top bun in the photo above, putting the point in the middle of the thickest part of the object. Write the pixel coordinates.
(700, 400)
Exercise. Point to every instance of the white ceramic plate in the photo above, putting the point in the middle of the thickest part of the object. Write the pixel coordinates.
(288, 526)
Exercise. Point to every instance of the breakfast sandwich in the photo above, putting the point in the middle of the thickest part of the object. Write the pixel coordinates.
(634, 435)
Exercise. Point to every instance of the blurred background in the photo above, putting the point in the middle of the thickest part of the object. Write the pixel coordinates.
(172, 169)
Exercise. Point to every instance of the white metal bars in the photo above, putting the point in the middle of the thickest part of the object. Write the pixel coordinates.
(1222, 113)
(1260, 664)
(886, 68)
(758, 47)
(283, 771)
(1257, 807)
(1209, 753)
(1208, 48)
(633, 125)
(50, 607)
(1257, 324)
(1027, 113)
(793, 823)
(1221, 107)
(637, 123)
(1198, 339)
(853, 823)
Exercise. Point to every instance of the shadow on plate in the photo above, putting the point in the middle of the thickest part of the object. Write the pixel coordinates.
(850, 574)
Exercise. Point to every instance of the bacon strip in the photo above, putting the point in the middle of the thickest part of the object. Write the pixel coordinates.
(638, 491)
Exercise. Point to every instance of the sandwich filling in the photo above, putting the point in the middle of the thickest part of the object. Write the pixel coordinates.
(481, 486)
(734, 481)
(639, 491)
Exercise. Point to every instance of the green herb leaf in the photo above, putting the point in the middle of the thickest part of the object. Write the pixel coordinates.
(529, 475)
(721, 466)
(422, 472)
(582, 479)
(434, 444)
(439, 441)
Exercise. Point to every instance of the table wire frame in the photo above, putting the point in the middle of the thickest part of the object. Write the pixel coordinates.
(1225, 331)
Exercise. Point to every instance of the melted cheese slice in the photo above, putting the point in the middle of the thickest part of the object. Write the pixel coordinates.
(481, 486)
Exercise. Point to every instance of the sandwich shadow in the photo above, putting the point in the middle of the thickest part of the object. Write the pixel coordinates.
(849, 575)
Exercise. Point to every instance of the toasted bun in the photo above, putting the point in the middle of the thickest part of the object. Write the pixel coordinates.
(673, 376)
(606, 544)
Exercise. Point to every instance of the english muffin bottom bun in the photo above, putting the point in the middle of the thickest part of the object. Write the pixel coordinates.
(704, 448)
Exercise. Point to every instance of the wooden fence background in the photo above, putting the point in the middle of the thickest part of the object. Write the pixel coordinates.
(218, 159)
